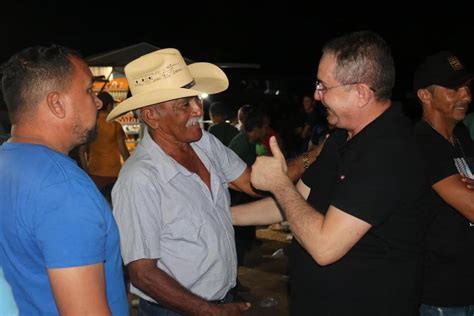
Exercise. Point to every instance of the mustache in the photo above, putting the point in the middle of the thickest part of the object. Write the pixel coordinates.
(191, 121)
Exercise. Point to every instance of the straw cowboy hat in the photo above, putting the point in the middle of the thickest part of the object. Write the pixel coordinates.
(163, 76)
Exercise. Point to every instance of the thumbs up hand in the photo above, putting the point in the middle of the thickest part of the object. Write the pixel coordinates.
(269, 172)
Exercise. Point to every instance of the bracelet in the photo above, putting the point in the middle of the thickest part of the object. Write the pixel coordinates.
(304, 157)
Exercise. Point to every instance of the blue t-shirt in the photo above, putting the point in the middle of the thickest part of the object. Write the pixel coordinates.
(53, 216)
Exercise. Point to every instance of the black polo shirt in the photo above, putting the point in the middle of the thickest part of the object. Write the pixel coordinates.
(449, 245)
(376, 176)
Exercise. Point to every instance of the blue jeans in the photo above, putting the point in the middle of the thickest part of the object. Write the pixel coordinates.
(427, 310)
(146, 308)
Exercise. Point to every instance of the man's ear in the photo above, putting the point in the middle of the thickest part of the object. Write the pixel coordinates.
(424, 95)
(150, 116)
(56, 104)
(364, 93)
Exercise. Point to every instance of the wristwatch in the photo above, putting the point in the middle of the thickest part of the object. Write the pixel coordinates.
(304, 157)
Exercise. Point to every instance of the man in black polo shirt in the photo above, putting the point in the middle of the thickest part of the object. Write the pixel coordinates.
(442, 86)
(358, 236)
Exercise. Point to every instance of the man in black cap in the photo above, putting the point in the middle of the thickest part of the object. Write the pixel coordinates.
(441, 83)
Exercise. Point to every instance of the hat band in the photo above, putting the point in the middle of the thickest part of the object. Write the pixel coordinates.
(189, 85)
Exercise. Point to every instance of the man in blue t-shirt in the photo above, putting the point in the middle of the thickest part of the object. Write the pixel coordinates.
(59, 244)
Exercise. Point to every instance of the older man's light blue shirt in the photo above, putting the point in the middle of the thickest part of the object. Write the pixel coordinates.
(166, 212)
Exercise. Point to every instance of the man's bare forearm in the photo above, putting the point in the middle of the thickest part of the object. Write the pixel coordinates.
(261, 212)
(164, 289)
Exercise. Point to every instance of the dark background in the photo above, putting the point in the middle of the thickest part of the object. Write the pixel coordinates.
(284, 37)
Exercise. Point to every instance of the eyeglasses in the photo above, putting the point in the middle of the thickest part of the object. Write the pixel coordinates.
(319, 86)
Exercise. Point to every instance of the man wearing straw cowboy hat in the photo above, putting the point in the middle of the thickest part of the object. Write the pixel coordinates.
(171, 200)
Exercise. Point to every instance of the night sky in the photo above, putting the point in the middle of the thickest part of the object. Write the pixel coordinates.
(285, 39)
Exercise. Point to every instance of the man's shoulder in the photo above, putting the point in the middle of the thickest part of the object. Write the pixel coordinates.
(213, 128)
(239, 139)
(48, 166)
(422, 128)
(136, 165)
(209, 141)
(143, 169)
(429, 141)
(230, 128)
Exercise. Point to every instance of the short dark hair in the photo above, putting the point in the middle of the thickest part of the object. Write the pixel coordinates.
(254, 118)
(221, 109)
(28, 75)
(364, 57)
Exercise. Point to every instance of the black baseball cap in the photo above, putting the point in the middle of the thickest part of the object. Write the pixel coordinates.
(442, 69)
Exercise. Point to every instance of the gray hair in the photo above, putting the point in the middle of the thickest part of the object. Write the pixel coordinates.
(363, 57)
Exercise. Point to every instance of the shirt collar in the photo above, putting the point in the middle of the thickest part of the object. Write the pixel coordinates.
(168, 167)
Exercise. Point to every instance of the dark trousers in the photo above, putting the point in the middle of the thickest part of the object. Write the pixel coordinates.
(146, 308)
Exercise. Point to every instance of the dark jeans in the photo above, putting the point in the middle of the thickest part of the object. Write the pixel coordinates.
(146, 308)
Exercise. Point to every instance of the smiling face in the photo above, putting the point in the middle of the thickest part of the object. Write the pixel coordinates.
(337, 98)
(452, 104)
(178, 120)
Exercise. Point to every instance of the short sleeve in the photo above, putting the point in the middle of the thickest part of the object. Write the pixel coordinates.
(437, 156)
(137, 212)
(371, 183)
(228, 162)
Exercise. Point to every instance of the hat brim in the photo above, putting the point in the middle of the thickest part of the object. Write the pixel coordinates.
(208, 78)
(458, 82)
(451, 83)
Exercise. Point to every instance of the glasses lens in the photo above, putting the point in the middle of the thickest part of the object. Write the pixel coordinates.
(318, 86)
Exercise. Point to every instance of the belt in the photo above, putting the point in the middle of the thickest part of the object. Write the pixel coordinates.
(228, 298)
